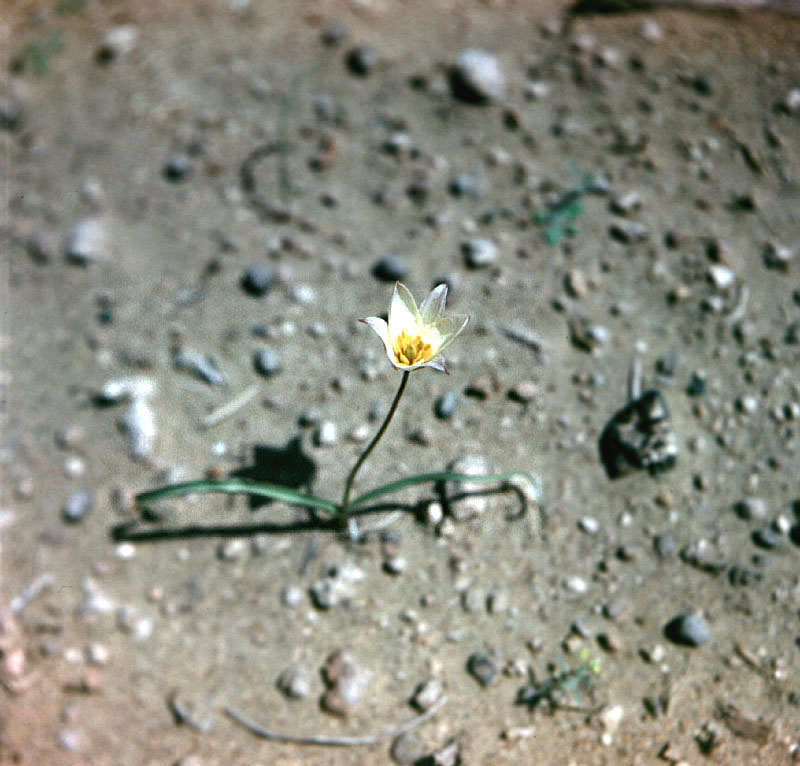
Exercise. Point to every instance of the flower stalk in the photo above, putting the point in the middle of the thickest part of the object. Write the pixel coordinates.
(344, 507)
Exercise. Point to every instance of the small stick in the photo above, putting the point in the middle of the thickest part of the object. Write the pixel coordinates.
(369, 739)
(40, 584)
(229, 408)
(635, 379)
(740, 308)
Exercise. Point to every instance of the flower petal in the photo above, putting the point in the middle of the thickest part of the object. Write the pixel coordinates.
(448, 329)
(437, 363)
(403, 313)
(382, 331)
(432, 308)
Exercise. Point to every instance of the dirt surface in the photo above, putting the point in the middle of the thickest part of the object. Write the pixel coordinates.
(233, 134)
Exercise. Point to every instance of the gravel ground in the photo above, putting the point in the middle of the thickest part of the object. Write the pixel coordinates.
(202, 200)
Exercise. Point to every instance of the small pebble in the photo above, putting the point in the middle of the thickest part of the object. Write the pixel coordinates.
(295, 682)
(74, 467)
(445, 405)
(479, 252)
(292, 596)
(589, 524)
(257, 280)
(70, 436)
(477, 77)
(326, 434)
(267, 361)
(178, 168)
(408, 748)
(362, 60)
(395, 565)
(751, 508)
(629, 232)
(688, 630)
(86, 242)
(664, 545)
(498, 602)
(77, 507)
(231, 550)
(390, 268)
(427, 694)
(473, 600)
(766, 537)
(481, 668)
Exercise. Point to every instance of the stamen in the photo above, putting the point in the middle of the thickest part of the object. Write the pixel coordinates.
(409, 351)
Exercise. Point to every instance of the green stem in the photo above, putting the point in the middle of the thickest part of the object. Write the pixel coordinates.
(344, 508)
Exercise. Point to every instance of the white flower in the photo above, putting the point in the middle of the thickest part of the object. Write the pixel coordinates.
(415, 337)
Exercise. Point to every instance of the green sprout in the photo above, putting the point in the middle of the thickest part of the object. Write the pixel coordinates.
(563, 689)
(562, 212)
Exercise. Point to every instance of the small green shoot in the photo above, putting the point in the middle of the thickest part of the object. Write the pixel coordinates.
(563, 689)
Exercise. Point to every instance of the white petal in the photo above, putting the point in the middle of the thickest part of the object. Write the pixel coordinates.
(448, 329)
(382, 331)
(403, 313)
(432, 308)
(437, 364)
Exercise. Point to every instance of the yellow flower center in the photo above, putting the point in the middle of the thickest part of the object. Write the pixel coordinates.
(408, 350)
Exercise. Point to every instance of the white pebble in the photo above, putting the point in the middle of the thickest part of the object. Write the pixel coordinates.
(86, 242)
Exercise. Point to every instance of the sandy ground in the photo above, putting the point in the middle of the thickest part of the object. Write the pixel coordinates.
(691, 111)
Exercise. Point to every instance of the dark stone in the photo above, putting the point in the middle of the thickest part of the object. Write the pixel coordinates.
(664, 545)
(688, 630)
(639, 436)
(766, 537)
(390, 268)
(267, 361)
(257, 280)
(445, 405)
(361, 60)
(178, 168)
(481, 668)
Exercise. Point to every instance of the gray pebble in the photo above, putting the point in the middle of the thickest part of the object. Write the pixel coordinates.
(407, 748)
(766, 537)
(390, 268)
(178, 168)
(231, 550)
(77, 507)
(465, 185)
(477, 77)
(267, 361)
(257, 279)
(751, 508)
(445, 405)
(295, 682)
(481, 668)
(498, 602)
(362, 60)
(395, 565)
(309, 417)
(688, 630)
(427, 694)
(479, 252)
(473, 600)
(629, 232)
(664, 545)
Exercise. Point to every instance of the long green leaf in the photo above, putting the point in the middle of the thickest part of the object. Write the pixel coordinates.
(237, 487)
(423, 478)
